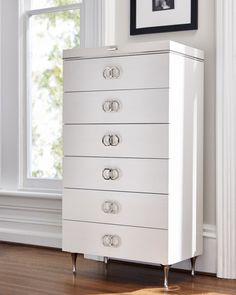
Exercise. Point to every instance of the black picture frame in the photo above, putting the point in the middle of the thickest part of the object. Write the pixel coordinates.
(162, 29)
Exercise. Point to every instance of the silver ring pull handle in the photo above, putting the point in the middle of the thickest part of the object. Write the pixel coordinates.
(110, 207)
(111, 106)
(114, 174)
(113, 241)
(106, 140)
(111, 140)
(115, 106)
(110, 73)
(110, 174)
(106, 174)
(114, 140)
(115, 72)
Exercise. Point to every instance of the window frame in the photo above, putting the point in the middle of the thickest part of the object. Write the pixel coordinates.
(92, 35)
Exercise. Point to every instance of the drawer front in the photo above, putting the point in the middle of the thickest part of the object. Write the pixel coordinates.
(132, 243)
(141, 141)
(135, 175)
(133, 106)
(144, 210)
(132, 72)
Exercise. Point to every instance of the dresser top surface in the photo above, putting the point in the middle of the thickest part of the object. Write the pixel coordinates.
(134, 49)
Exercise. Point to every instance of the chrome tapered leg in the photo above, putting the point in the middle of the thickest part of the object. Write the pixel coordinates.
(106, 260)
(193, 263)
(166, 269)
(74, 258)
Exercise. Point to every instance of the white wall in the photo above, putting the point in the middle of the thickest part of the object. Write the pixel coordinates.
(25, 217)
(36, 218)
(203, 38)
(9, 93)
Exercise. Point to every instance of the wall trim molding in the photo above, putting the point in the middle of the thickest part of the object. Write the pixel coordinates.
(226, 138)
(31, 218)
(30, 194)
(207, 262)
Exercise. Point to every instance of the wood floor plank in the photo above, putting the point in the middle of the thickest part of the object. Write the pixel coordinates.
(26, 270)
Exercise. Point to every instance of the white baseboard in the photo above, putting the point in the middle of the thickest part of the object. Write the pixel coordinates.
(207, 261)
(36, 220)
(33, 219)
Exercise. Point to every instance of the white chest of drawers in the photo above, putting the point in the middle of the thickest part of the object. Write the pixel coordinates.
(133, 153)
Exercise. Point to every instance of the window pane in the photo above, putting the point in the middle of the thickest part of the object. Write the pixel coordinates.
(38, 4)
(49, 34)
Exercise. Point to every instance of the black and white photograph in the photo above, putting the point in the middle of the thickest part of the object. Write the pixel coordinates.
(157, 16)
(159, 5)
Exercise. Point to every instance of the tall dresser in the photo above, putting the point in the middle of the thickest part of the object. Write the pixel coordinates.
(133, 153)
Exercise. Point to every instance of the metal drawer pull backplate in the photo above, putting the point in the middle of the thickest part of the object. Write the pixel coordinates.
(111, 241)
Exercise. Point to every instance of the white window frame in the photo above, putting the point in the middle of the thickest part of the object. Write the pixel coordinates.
(0, 93)
(92, 35)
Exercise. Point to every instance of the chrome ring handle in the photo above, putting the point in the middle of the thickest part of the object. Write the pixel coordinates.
(111, 140)
(115, 208)
(107, 240)
(111, 207)
(106, 140)
(110, 174)
(110, 73)
(115, 106)
(114, 174)
(107, 73)
(111, 106)
(114, 140)
(111, 241)
(107, 207)
(115, 72)
(107, 106)
(106, 174)
(115, 241)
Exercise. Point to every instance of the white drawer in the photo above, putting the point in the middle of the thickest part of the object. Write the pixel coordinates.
(144, 210)
(133, 243)
(133, 106)
(136, 175)
(135, 72)
(140, 141)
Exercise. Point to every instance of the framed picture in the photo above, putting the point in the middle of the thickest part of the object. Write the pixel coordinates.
(157, 16)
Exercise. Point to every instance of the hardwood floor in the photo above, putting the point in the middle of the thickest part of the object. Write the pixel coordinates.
(26, 270)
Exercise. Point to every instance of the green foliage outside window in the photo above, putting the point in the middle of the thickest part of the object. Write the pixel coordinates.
(50, 34)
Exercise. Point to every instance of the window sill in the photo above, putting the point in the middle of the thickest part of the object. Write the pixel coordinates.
(30, 194)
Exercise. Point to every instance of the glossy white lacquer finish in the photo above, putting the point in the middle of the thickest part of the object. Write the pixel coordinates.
(87, 238)
(135, 175)
(186, 158)
(136, 72)
(157, 165)
(134, 48)
(125, 208)
(151, 141)
(87, 107)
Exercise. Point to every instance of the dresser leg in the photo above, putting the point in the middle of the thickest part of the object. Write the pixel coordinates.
(74, 258)
(166, 269)
(106, 260)
(193, 263)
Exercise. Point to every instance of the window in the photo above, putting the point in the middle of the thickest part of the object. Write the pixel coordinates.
(49, 33)
(50, 27)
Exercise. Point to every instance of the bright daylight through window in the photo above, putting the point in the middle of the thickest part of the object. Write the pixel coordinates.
(54, 25)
